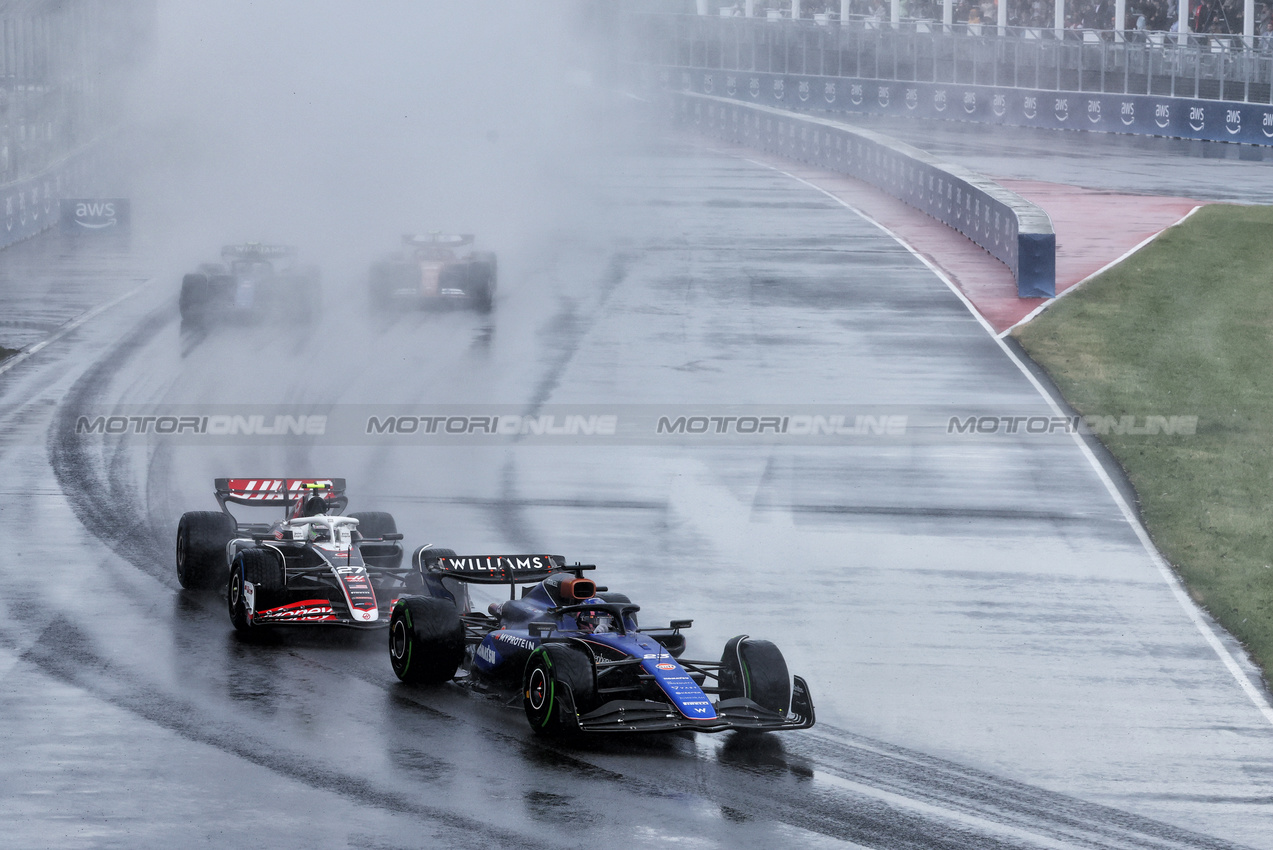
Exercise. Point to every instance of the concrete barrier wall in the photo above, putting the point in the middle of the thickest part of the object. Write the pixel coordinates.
(31, 205)
(1011, 228)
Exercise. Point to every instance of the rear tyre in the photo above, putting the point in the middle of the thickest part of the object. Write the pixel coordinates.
(201, 540)
(260, 567)
(481, 286)
(424, 556)
(380, 283)
(194, 298)
(426, 640)
(558, 686)
(373, 525)
(755, 669)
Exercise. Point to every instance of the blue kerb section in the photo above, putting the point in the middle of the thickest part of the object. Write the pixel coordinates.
(1011, 228)
(1037, 275)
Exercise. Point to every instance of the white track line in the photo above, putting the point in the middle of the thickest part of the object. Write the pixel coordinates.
(65, 329)
(1047, 304)
(1256, 696)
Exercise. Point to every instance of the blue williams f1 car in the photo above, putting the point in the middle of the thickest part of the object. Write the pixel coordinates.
(574, 654)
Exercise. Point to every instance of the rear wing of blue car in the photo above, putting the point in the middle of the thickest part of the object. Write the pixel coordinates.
(495, 569)
(257, 251)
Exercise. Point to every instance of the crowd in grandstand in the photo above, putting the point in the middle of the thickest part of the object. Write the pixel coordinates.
(1206, 16)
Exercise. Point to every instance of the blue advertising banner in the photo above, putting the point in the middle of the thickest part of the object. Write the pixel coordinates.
(1185, 118)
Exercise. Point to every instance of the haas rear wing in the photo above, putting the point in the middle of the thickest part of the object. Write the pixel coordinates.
(495, 569)
(263, 492)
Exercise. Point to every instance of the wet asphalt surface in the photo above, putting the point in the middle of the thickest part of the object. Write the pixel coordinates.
(994, 659)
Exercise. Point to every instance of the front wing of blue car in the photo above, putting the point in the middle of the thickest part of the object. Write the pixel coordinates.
(738, 713)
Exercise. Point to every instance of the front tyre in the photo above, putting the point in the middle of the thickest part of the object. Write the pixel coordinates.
(755, 669)
(426, 640)
(253, 571)
(557, 687)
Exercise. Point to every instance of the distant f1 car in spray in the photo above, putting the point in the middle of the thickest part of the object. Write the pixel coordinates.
(254, 282)
(433, 270)
(574, 656)
(314, 566)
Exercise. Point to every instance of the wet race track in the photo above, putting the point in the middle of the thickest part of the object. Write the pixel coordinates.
(995, 659)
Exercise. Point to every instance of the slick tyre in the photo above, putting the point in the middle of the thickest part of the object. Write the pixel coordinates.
(426, 640)
(481, 286)
(374, 525)
(201, 540)
(263, 570)
(194, 298)
(755, 669)
(558, 686)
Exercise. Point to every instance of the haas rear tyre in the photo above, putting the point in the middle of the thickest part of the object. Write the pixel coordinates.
(374, 525)
(426, 640)
(755, 669)
(254, 571)
(201, 540)
(558, 686)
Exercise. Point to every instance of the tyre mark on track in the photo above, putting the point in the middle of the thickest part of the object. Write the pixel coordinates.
(65, 653)
(109, 516)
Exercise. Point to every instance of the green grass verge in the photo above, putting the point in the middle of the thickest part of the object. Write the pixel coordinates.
(1185, 327)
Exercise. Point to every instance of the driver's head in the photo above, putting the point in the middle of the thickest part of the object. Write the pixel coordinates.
(594, 621)
(315, 505)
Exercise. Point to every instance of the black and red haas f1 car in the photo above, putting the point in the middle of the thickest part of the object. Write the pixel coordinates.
(432, 270)
(573, 655)
(315, 565)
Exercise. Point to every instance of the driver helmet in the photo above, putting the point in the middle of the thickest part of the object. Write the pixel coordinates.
(315, 505)
(593, 621)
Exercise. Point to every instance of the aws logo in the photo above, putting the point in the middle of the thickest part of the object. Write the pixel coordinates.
(89, 214)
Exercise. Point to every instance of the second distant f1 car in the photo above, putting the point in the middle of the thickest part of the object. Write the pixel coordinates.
(434, 269)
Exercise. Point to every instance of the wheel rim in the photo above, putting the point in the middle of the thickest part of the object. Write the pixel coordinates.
(398, 646)
(236, 589)
(181, 553)
(537, 691)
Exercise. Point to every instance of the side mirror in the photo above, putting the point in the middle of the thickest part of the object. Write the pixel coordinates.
(393, 535)
(680, 624)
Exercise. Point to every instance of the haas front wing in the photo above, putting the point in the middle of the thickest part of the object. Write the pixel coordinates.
(351, 599)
